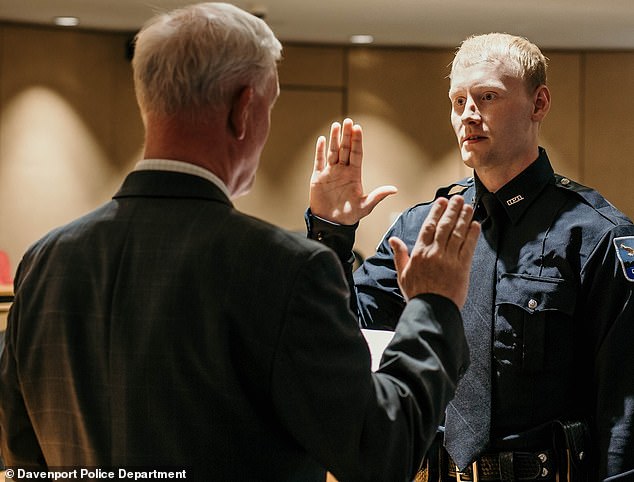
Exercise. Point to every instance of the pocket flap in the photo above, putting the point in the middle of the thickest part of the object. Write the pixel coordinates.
(536, 294)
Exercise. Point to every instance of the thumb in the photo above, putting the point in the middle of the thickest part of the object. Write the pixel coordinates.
(376, 196)
(401, 256)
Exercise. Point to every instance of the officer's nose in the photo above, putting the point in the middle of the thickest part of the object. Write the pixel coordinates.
(471, 113)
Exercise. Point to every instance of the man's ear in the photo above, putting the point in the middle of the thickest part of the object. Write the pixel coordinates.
(240, 111)
(541, 103)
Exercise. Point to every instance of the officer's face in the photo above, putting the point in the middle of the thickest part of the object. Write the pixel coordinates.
(491, 112)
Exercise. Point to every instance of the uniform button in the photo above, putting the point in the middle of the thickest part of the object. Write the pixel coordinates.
(565, 181)
(320, 236)
(532, 304)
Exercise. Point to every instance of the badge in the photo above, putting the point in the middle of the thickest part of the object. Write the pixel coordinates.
(625, 251)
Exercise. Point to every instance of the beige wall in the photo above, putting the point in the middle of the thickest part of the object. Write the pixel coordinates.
(608, 124)
(70, 130)
(312, 97)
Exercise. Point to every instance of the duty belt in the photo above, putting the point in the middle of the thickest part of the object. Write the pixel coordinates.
(508, 466)
(502, 467)
(569, 458)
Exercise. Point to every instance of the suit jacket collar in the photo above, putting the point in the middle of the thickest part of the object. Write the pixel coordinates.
(169, 184)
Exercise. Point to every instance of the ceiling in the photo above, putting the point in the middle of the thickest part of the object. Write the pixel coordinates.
(552, 24)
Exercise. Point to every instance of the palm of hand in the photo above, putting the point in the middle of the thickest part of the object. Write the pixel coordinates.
(336, 190)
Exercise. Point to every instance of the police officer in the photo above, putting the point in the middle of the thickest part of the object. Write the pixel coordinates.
(550, 316)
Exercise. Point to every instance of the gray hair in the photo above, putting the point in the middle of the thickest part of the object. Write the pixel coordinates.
(197, 56)
(522, 56)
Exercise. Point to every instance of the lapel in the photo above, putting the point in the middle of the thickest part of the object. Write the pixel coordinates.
(169, 184)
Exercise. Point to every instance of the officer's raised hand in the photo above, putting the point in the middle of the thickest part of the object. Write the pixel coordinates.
(440, 261)
(336, 189)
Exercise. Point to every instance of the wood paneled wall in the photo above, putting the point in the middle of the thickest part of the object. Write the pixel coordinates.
(70, 129)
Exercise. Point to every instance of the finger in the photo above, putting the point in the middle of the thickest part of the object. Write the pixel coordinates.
(346, 141)
(459, 232)
(376, 196)
(333, 144)
(356, 147)
(470, 242)
(320, 154)
(401, 256)
(448, 220)
(428, 229)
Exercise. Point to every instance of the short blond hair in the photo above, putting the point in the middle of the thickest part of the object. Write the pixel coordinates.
(522, 56)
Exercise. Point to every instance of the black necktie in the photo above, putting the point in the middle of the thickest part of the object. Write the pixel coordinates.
(468, 421)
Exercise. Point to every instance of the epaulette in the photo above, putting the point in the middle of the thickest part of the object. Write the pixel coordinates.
(590, 196)
(567, 183)
(455, 188)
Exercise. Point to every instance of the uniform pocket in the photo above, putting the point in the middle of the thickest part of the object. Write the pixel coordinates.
(535, 294)
(532, 313)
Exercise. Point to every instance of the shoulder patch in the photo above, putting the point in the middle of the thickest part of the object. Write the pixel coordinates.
(625, 251)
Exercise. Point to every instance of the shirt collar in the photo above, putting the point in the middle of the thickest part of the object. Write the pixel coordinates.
(183, 167)
(519, 193)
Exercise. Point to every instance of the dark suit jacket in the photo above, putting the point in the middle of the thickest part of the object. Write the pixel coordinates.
(168, 329)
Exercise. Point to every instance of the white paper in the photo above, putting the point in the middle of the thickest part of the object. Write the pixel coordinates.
(377, 341)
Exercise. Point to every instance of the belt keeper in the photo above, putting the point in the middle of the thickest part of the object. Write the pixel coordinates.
(475, 476)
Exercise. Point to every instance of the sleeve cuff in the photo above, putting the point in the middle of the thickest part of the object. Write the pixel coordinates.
(338, 237)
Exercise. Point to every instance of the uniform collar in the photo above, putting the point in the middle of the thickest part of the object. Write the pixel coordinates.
(519, 193)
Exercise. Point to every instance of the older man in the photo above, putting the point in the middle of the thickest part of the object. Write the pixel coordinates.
(168, 330)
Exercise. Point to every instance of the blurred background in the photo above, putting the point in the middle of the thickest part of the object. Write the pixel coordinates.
(70, 128)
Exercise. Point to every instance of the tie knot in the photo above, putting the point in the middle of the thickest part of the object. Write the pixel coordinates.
(490, 206)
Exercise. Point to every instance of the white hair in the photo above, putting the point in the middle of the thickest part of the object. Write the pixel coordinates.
(198, 56)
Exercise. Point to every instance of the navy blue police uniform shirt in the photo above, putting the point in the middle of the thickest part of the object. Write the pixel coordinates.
(564, 317)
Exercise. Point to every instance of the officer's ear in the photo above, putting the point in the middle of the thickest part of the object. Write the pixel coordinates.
(541, 103)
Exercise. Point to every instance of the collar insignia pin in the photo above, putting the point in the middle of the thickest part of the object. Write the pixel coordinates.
(514, 200)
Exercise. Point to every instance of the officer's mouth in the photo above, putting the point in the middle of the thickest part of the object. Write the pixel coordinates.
(473, 139)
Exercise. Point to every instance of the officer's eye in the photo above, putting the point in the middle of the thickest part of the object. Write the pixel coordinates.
(488, 96)
(459, 102)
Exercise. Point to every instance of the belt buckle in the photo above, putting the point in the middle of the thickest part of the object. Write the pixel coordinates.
(475, 476)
